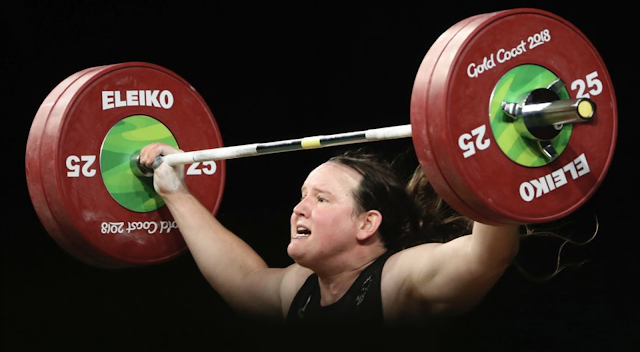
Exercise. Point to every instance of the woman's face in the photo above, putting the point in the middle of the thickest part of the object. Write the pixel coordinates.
(324, 224)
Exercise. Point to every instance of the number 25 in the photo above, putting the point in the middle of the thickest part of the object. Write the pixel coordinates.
(592, 82)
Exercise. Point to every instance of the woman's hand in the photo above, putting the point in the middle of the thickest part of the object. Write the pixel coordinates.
(167, 180)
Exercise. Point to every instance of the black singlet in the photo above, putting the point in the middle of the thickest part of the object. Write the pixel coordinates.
(361, 304)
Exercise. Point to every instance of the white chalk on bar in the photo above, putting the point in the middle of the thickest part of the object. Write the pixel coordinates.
(394, 132)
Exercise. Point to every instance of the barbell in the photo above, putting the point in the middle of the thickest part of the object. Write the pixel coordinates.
(513, 120)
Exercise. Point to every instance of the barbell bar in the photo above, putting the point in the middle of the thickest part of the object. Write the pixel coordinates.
(255, 149)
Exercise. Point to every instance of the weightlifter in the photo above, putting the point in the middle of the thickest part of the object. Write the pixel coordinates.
(364, 247)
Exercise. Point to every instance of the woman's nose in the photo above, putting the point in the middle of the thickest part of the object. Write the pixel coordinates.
(301, 209)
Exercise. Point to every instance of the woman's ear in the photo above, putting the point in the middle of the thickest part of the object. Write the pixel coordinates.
(370, 223)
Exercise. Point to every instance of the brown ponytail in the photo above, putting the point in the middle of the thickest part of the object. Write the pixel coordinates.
(438, 221)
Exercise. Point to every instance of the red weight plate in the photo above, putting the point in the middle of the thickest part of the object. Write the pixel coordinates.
(32, 167)
(463, 81)
(420, 124)
(72, 148)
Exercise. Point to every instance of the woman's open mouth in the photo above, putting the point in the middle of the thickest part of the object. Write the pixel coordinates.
(301, 232)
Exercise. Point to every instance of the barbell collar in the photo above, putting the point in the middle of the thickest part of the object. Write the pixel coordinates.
(552, 113)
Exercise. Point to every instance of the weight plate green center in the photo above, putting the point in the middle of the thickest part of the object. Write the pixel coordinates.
(124, 139)
(516, 83)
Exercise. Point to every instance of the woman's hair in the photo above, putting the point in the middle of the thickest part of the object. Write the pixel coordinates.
(412, 214)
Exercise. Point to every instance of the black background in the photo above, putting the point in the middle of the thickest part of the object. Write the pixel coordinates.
(273, 72)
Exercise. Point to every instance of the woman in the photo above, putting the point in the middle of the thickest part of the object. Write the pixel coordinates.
(356, 239)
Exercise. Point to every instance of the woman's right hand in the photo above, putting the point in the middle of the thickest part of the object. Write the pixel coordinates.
(167, 180)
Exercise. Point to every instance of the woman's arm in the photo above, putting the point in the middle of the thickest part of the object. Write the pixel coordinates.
(230, 265)
(448, 278)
